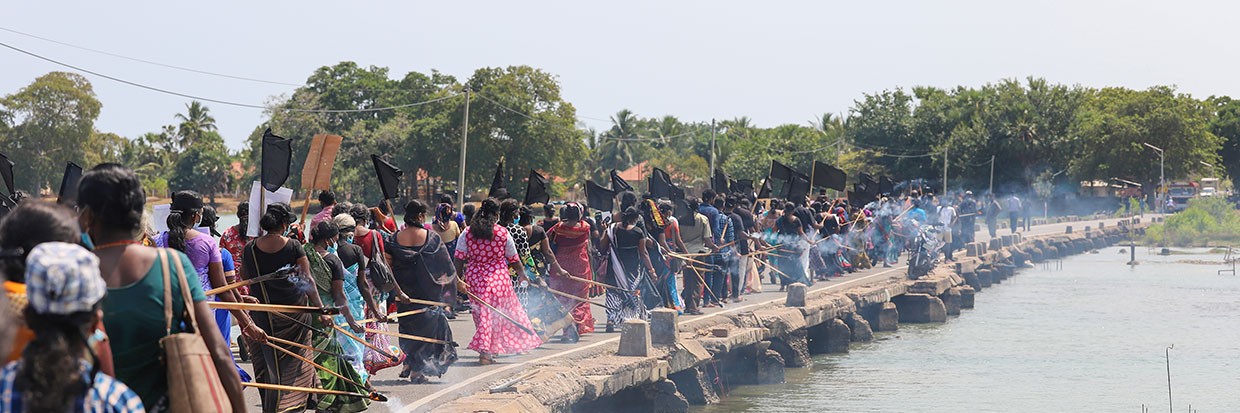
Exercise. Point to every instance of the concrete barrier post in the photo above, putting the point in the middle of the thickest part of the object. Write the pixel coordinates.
(635, 339)
(1068, 230)
(796, 295)
(664, 324)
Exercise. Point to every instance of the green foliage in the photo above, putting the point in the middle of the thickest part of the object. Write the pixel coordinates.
(1206, 220)
(204, 167)
(53, 117)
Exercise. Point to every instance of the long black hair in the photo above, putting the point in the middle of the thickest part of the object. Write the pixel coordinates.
(508, 210)
(630, 216)
(413, 210)
(49, 375)
(33, 222)
(185, 204)
(482, 225)
(114, 196)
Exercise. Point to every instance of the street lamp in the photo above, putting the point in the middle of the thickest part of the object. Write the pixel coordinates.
(1162, 187)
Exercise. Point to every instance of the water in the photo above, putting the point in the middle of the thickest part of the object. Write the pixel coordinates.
(1088, 338)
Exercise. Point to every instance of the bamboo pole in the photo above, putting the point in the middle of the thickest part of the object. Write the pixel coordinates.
(364, 342)
(604, 285)
(411, 337)
(573, 297)
(325, 369)
(394, 316)
(686, 258)
(303, 346)
(430, 303)
(225, 305)
(278, 387)
(706, 285)
(303, 324)
(527, 330)
(239, 284)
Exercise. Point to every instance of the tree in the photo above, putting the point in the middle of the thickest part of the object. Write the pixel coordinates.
(53, 117)
(1226, 125)
(205, 167)
(193, 124)
(621, 147)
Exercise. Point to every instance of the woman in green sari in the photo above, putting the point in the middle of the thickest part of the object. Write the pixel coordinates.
(329, 277)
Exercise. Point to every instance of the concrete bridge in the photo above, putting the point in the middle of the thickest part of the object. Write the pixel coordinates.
(672, 361)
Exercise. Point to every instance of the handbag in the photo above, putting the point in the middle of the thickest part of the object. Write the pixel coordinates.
(193, 383)
(377, 269)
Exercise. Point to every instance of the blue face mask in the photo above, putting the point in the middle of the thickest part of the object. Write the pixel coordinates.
(86, 241)
(332, 249)
(349, 239)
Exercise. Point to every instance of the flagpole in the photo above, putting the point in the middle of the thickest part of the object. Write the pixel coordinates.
(460, 184)
(712, 149)
(262, 181)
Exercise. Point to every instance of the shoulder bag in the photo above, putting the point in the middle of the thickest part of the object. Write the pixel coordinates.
(193, 383)
(377, 270)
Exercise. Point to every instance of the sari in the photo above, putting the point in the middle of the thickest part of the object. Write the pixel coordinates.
(627, 274)
(571, 247)
(321, 271)
(426, 273)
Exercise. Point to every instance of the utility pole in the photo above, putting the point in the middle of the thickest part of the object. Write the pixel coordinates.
(712, 149)
(992, 174)
(460, 184)
(944, 172)
(1162, 183)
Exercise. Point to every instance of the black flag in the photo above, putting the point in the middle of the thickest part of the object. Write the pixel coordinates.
(797, 188)
(683, 214)
(720, 182)
(743, 186)
(69, 184)
(827, 176)
(885, 185)
(536, 189)
(780, 171)
(765, 193)
(660, 184)
(277, 160)
(498, 191)
(618, 184)
(389, 177)
(6, 171)
(600, 198)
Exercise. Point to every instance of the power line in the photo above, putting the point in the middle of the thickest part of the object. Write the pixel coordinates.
(223, 102)
(187, 69)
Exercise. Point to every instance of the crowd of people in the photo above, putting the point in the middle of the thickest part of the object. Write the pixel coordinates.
(92, 289)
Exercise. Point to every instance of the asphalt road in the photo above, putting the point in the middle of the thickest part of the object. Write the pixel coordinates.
(466, 376)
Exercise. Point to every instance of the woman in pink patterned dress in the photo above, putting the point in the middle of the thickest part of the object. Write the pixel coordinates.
(484, 254)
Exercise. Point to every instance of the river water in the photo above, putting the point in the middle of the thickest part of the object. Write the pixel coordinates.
(1088, 338)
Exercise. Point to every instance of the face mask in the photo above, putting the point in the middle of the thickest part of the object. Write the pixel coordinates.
(516, 221)
(86, 241)
(331, 249)
(349, 239)
(286, 231)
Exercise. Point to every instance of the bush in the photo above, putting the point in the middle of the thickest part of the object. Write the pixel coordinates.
(1205, 220)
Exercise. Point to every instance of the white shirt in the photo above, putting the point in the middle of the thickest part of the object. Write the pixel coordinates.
(1013, 204)
(947, 215)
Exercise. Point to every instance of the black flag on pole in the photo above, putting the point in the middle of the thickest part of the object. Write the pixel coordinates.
(600, 198)
(618, 184)
(780, 171)
(886, 185)
(827, 176)
(6, 171)
(277, 159)
(536, 189)
(720, 182)
(498, 191)
(743, 186)
(765, 193)
(660, 184)
(797, 187)
(389, 177)
(69, 185)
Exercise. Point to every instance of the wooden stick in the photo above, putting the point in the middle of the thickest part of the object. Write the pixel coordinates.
(225, 305)
(527, 330)
(241, 283)
(303, 346)
(706, 285)
(312, 363)
(364, 343)
(573, 297)
(686, 258)
(278, 387)
(411, 337)
(604, 285)
(303, 324)
(430, 303)
(394, 316)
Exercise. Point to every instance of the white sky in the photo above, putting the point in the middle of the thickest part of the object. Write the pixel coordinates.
(773, 61)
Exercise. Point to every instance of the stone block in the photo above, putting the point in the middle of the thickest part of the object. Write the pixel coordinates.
(1068, 230)
(984, 279)
(688, 354)
(860, 328)
(496, 403)
(920, 308)
(770, 367)
(830, 337)
(794, 348)
(696, 386)
(796, 295)
(635, 339)
(664, 327)
(951, 301)
(967, 294)
(995, 244)
(887, 319)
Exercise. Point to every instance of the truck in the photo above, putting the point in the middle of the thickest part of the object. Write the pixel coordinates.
(1209, 187)
(1179, 194)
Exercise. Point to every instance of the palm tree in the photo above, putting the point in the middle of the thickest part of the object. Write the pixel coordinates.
(620, 144)
(194, 124)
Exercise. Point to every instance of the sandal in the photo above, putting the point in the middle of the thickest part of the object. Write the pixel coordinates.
(419, 379)
(404, 374)
(485, 360)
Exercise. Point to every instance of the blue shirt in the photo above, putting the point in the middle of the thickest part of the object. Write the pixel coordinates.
(227, 260)
(108, 395)
(712, 216)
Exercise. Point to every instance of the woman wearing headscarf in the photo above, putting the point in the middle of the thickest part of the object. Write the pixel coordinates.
(490, 254)
(570, 240)
(59, 372)
(629, 266)
(423, 268)
(270, 253)
(330, 278)
(111, 201)
(188, 213)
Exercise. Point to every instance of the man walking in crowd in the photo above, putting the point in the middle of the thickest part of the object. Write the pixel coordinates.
(947, 221)
(1013, 210)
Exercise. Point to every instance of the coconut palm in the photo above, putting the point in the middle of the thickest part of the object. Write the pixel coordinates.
(196, 122)
(621, 144)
